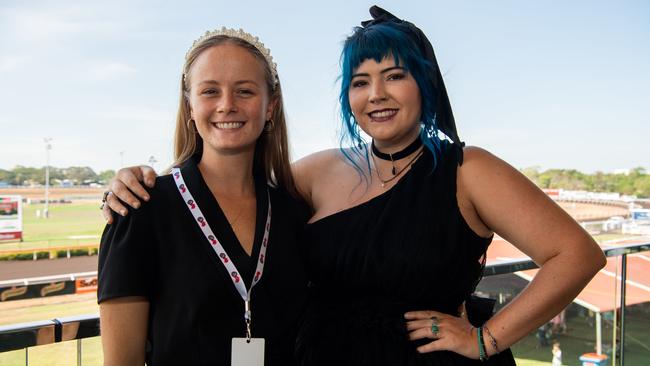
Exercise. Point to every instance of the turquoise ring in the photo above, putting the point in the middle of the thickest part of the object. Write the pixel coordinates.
(434, 326)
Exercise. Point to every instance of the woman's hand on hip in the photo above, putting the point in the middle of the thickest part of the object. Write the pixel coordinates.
(446, 332)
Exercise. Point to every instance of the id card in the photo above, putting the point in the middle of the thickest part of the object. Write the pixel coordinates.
(247, 354)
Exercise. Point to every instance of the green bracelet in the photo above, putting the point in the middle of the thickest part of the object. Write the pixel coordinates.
(482, 355)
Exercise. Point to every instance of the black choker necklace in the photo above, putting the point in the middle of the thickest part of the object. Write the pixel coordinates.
(398, 155)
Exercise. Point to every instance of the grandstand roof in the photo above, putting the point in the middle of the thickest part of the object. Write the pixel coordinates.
(603, 292)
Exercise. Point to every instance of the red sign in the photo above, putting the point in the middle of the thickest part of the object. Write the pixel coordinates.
(16, 235)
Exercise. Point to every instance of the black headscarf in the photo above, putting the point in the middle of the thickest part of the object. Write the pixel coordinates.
(444, 116)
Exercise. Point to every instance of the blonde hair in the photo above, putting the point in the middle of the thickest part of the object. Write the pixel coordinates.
(272, 147)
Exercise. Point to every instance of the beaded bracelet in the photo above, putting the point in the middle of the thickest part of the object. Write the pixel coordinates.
(482, 355)
(493, 340)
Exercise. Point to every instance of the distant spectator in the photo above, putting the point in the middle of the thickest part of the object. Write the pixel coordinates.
(559, 323)
(557, 355)
(542, 335)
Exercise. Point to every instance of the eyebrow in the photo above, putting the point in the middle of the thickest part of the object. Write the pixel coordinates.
(382, 71)
(239, 82)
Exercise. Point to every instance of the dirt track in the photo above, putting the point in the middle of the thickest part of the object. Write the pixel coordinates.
(590, 212)
(46, 267)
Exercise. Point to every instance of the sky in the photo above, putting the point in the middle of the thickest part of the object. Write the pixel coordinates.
(548, 84)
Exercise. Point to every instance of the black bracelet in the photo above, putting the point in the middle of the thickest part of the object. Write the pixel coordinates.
(493, 340)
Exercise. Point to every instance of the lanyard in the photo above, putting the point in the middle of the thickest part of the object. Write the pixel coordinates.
(235, 276)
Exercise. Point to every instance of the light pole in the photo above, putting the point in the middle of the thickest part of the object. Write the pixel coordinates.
(121, 159)
(48, 147)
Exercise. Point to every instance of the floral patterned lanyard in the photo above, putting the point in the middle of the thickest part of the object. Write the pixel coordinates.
(235, 276)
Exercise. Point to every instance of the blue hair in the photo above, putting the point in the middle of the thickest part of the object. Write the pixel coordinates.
(378, 42)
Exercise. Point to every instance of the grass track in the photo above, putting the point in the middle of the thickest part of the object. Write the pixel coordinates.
(66, 222)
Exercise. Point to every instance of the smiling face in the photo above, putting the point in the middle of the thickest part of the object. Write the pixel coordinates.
(229, 98)
(386, 102)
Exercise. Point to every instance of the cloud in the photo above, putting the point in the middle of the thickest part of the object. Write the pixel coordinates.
(110, 70)
(45, 25)
(35, 25)
(9, 63)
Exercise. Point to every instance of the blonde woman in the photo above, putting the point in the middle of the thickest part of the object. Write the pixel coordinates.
(208, 269)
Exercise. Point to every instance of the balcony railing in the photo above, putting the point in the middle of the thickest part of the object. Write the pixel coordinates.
(25, 335)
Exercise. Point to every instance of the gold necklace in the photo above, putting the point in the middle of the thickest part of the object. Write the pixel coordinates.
(398, 173)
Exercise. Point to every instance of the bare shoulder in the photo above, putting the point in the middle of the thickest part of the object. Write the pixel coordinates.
(475, 157)
(508, 203)
(314, 167)
(317, 160)
(482, 170)
(472, 175)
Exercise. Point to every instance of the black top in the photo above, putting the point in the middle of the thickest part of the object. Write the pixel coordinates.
(406, 249)
(159, 252)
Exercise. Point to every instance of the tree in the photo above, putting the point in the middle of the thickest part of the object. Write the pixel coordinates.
(6, 176)
(105, 176)
(78, 175)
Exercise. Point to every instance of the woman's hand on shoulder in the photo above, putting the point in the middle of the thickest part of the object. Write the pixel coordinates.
(126, 187)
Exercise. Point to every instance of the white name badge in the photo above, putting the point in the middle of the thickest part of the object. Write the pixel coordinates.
(246, 353)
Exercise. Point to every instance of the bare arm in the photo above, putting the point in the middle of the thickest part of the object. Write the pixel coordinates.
(127, 187)
(124, 330)
(509, 204)
(522, 214)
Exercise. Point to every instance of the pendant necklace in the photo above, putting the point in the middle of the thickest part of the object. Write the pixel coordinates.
(395, 174)
(398, 155)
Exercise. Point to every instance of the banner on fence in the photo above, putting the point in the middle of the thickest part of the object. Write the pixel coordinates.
(37, 290)
(11, 218)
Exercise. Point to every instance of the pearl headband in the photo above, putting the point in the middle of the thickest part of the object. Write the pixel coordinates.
(240, 34)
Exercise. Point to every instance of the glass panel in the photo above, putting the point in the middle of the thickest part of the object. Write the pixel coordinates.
(13, 358)
(92, 352)
(637, 311)
(57, 354)
(637, 334)
(576, 329)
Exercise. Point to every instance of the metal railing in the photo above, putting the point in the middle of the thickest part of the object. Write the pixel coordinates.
(25, 335)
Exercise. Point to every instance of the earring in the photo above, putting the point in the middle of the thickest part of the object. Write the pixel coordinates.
(268, 126)
(190, 123)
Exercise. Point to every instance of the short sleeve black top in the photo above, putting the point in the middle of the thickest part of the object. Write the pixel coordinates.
(159, 252)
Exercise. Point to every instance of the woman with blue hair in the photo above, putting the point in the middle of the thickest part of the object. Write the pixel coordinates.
(402, 224)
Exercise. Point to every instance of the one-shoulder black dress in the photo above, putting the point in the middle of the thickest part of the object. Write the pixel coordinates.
(406, 249)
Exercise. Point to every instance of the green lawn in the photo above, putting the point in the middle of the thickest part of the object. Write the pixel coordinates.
(72, 224)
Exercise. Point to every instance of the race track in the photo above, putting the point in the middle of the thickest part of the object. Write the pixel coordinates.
(11, 270)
